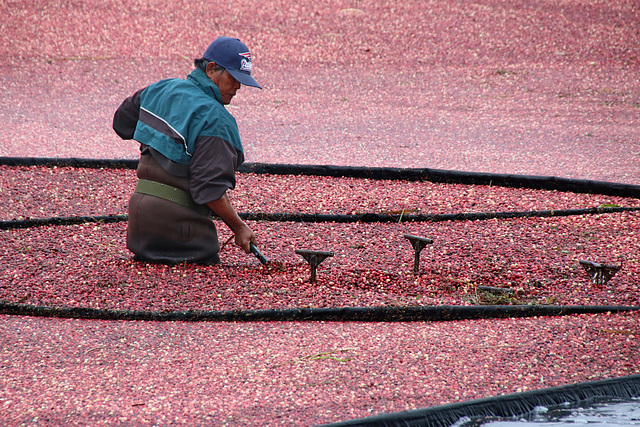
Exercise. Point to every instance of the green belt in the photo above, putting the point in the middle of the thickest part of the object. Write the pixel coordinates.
(172, 194)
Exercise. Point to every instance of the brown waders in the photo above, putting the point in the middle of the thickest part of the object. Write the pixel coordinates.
(165, 225)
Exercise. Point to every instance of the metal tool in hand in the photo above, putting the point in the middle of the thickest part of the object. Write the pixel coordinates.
(258, 254)
(254, 249)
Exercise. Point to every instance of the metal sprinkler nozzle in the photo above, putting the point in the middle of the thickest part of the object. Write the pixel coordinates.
(314, 258)
(418, 244)
(600, 273)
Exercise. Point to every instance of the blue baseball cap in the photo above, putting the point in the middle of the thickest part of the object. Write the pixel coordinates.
(234, 56)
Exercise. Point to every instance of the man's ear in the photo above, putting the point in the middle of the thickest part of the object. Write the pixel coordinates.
(211, 66)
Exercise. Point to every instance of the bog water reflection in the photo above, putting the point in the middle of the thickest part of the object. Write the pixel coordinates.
(608, 414)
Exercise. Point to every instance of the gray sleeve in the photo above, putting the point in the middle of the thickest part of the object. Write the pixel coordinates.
(213, 169)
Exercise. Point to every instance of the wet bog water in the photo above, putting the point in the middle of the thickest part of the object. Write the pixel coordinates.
(625, 413)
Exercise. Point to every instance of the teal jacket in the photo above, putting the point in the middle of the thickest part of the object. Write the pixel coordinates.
(174, 113)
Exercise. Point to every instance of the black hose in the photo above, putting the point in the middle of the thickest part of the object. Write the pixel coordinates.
(70, 220)
(337, 314)
(409, 174)
(70, 162)
(464, 216)
(346, 218)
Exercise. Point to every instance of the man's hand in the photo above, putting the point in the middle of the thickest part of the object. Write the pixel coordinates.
(244, 236)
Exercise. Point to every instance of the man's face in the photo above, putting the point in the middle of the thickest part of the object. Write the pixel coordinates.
(226, 83)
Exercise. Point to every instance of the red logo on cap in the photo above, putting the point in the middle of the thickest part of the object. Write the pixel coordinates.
(246, 55)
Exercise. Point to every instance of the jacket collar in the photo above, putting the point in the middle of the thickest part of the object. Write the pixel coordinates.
(203, 81)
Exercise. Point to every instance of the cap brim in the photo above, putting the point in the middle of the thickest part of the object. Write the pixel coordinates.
(244, 78)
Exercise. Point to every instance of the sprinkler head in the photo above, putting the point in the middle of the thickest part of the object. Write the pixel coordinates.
(600, 273)
(314, 258)
(418, 244)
